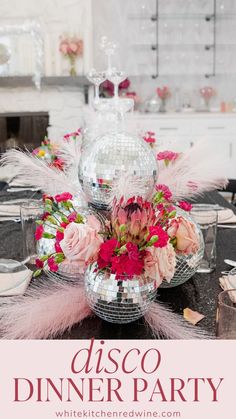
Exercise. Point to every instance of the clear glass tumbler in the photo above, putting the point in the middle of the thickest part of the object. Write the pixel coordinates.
(206, 216)
(226, 315)
(30, 211)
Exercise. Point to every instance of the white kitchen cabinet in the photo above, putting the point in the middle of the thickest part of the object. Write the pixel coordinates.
(178, 132)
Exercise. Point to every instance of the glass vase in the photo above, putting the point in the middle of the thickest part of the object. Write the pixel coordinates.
(73, 72)
(162, 107)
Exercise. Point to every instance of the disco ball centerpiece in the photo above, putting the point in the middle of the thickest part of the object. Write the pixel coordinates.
(118, 300)
(112, 155)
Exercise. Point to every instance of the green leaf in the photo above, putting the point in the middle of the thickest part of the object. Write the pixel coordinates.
(48, 236)
(172, 214)
(40, 222)
(44, 258)
(59, 257)
(79, 219)
(48, 202)
(122, 228)
(37, 273)
(64, 219)
(48, 209)
(51, 219)
(61, 229)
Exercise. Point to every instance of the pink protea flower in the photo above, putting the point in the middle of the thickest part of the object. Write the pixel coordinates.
(132, 219)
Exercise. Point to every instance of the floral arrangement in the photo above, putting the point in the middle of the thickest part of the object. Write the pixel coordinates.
(141, 238)
(163, 92)
(71, 48)
(149, 137)
(47, 151)
(107, 88)
(207, 93)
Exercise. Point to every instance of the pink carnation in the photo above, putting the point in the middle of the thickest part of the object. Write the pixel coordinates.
(58, 247)
(161, 234)
(186, 206)
(39, 232)
(39, 263)
(52, 265)
(167, 155)
(65, 196)
(165, 190)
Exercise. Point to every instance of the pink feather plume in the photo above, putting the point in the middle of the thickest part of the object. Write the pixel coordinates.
(198, 170)
(164, 323)
(45, 311)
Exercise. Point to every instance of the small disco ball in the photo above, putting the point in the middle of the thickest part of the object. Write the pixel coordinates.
(186, 265)
(112, 155)
(118, 301)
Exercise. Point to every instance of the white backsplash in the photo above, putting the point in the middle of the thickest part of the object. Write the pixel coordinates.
(183, 33)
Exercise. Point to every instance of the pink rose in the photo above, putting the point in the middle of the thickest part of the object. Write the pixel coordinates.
(159, 263)
(64, 48)
(187, 238)
(81, 243)
(73, 47)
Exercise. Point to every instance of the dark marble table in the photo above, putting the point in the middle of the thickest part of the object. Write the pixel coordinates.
(199, 293)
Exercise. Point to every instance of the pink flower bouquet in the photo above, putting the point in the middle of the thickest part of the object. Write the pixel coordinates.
(163, 93)
(207, 93)
(71, 48)
(47, 151)
(140, 238)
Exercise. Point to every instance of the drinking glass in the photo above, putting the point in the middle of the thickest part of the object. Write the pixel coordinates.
(30, 211)
(226, 315)
(206, 216)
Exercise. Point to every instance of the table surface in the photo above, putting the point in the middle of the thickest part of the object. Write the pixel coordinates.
(199, 293)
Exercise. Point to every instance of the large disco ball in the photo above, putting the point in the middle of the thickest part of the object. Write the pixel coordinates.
(118, 301)
(115, 153)
(186, 265)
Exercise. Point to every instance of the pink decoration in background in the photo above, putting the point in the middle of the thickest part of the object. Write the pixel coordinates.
(107, 87)
(163, 92)
(71, 48)
(207, 93)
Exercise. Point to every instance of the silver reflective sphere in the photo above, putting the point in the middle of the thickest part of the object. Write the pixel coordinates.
(186, 265)
(118, 301)
(113, 154)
